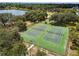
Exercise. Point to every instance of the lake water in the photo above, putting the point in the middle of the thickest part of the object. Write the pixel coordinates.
(14, 12)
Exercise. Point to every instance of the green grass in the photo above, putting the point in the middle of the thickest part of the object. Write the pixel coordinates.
(39, 40)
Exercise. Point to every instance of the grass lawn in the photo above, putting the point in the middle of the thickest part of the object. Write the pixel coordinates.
(52, 38)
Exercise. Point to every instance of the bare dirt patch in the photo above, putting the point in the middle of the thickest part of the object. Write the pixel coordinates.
(71, 52)
(28, 23)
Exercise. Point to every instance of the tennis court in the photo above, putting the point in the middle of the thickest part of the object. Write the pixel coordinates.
(52, 38)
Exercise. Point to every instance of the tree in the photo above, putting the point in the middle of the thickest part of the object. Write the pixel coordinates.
(64, 18)
(75, 41)
(36, 16)
(21, 26)
(77, 27)
(18, 49)
(19, 18)
(71, 17)
(10, 43)
(5, 17)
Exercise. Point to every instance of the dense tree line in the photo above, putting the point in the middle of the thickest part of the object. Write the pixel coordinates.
(74, 37)
(34, 6)
(18, 5)
(36, 16)
(64, 18)
(11, 43)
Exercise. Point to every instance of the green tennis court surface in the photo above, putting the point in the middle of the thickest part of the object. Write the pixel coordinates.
(52, 38)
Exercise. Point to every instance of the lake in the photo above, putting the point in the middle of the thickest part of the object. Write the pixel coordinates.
(14, 12)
